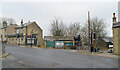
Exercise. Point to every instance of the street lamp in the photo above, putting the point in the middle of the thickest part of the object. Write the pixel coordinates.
(3, 47)
(31, 37)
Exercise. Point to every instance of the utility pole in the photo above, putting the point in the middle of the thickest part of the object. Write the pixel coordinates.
(89, 29)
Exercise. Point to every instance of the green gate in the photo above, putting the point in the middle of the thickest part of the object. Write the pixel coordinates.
(50, 44)
(68, 44)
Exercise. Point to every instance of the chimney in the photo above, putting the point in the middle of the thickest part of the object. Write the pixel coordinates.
(10, 23)
(114, 18)
(29, 21)
(4, 24)
(21, 21)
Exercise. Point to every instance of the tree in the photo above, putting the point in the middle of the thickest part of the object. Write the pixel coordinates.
(8, 20)
(57, 28)
(97, 25)
(84, 33)
(74, 29)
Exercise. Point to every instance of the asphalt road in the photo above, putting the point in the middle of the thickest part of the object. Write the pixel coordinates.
(25, 57)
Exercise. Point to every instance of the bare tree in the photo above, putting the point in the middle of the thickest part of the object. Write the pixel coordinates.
(57, 27)
(84, 33)
(73, 29)
(8, 20)
(97, 25)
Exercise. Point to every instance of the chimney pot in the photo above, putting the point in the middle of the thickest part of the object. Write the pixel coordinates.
(4, 24)
(21, 21)
(114, 18)
(29, 21)
(113, 15)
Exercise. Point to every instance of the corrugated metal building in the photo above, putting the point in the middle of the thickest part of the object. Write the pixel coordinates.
(59, 41)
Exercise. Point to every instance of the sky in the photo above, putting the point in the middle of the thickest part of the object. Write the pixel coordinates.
(69, 11)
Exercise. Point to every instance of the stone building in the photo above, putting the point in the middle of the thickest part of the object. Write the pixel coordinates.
(25, 34)
(6, 29)
(116, 36)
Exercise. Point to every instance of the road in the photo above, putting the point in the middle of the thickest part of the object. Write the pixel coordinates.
(26, 57)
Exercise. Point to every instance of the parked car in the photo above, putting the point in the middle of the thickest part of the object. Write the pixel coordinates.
(110, 50)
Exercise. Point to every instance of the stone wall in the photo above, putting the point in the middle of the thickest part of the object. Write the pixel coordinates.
(116, 40)
(36, 30)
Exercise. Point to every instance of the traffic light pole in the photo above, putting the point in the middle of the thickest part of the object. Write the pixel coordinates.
(31, 41)
(94, 38)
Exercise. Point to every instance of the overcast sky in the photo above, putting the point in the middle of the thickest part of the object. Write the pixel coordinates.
(44, 12)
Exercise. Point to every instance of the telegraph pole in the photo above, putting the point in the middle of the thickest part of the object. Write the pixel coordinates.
(89, 28)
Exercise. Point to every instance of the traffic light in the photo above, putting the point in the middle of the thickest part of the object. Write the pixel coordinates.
(94, 36)
(79, 39)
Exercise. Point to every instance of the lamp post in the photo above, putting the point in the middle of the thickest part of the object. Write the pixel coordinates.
(31, 37)
(2, 45)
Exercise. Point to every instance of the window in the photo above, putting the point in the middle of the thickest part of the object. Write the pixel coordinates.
(9, 39)
(5, 30)
(1, 32)
(17, 31)
(12, 39)
(22, 38)
(22, 30)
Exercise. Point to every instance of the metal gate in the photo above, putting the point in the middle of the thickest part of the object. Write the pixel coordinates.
(50, 44)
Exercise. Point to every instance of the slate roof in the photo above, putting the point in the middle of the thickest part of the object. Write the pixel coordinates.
(24, 25)
(9, 35)
(108, 39)
(58, 38)
(9, 25)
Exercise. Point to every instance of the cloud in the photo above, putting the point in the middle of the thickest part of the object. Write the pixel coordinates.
(60, 0)
(44, 12)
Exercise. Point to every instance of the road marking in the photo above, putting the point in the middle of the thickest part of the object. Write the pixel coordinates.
(21, 62)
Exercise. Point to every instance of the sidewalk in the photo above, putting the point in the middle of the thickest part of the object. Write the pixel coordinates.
(29, 46)
(4, 55)
(96, 54)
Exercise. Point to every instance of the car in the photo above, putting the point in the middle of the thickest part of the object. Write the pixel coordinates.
(110, 50)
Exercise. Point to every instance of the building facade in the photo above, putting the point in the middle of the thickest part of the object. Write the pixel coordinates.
(25, 34)
(7, 29)
(116, 36)
(59, 41)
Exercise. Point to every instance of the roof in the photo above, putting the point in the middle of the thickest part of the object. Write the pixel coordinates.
(58, 38)
(9, 35)
(9, 25)
(108, 39)
(116, 25)
(24, 25)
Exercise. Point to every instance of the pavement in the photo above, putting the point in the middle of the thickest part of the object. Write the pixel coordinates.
(103, 54)
(27, 57)
(3, 55)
